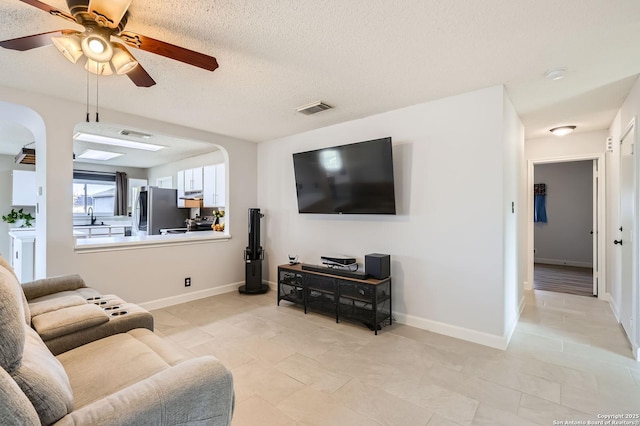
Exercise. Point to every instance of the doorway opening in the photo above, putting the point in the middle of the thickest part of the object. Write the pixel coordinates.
(582, 270)
(564, 237)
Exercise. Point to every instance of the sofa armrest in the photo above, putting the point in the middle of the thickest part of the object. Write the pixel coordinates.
(196, 391)
(46, 286)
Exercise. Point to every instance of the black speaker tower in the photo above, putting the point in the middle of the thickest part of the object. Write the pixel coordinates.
(253, 256)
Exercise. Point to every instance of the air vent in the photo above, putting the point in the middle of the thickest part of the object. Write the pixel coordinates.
(313, 108)
(134, 134)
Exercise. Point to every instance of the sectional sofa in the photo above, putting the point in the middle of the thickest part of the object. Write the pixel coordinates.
(100, 376)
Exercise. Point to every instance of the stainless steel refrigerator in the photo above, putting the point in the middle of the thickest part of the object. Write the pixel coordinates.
(156, 209)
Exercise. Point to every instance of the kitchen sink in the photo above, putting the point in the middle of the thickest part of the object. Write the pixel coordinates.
(95, 224)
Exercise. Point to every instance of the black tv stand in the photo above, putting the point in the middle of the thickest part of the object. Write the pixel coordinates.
(363, 300)
(358, 275)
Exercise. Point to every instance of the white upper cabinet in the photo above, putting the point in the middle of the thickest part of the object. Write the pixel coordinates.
(214, 186)
(192, 179)
(24, 188)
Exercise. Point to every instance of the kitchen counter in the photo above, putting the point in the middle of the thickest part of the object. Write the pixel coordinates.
(92, 231)
(138, 241)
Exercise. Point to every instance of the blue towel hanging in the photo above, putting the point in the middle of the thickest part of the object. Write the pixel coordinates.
(540, 202)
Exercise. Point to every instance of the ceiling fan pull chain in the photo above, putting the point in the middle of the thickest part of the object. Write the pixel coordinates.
(97, 80)
(87, 119)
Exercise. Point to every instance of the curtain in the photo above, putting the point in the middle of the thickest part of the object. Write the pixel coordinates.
(120, 207)
(540, 202)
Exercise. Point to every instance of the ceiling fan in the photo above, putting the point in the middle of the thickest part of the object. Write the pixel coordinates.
(103, 20)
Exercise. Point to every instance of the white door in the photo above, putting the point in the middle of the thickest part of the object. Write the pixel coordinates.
(627, 229)
(594, 232)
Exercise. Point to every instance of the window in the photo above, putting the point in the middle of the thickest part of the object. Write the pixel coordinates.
(96, 190)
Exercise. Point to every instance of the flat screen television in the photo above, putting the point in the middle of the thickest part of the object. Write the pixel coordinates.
(348, 179)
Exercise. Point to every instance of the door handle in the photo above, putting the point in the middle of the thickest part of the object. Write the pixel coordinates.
(617, 242)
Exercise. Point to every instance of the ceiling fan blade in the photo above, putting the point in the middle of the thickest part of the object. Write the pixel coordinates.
(169, 50)
(33, 41)
(140, 77)
(49, 9)
(108, 13)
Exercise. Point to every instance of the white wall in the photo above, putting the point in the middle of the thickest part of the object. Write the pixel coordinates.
(573, 144)
(629, 110)
(613, 210)
(7, 165)
(513, 208)
(565, 238)
(447, 242)
(136, 275)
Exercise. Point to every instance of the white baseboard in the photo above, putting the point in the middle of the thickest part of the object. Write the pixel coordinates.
(486, 339)
(512, 327)
(188, 297)
(491, 340)
(564, 262)
(614, 307)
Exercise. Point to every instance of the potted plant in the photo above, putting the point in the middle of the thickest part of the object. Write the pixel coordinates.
(19, 218)
(217, 225)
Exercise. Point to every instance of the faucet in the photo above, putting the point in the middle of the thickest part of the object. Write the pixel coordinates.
(93, 218)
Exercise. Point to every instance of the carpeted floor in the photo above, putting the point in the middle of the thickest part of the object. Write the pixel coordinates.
(563, 279)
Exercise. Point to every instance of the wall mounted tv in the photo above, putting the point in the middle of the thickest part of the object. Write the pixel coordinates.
(346, 179)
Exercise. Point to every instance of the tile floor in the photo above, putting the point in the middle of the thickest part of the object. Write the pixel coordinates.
(568, 360)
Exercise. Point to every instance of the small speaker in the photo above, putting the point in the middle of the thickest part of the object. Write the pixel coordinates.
(377, 265)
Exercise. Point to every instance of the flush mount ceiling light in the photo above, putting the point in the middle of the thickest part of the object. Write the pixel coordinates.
(555, 74)
(562, 130)
(107, 140)
(96, 154)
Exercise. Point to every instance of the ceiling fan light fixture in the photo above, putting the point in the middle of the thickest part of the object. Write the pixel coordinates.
(99, 68)
(69, 46)
(562, 130)
(96, 46)
(122, 61)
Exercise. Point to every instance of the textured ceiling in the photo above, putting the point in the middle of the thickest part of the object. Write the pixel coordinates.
(361, 56)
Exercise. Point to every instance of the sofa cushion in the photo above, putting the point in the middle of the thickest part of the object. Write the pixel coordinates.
(43, 380)
(4, 264)
(68, 320)
(15, 407)
(12, 321)
(27, 315)
(42, 287)
(171, 354)
(54, 302)
(107, 365)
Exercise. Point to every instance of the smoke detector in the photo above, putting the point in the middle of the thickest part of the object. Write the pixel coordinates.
(556, 74)
(313, 108)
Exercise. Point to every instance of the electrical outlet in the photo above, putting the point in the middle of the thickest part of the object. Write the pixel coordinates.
(187, 282)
